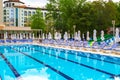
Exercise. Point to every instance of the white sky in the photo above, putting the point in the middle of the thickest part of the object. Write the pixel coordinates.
(42, 3)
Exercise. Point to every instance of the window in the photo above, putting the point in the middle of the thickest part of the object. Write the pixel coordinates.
(12, 20)
(13, 4)
(12, 10)
(25, 19)
(7, 13)
(7, 24)
(12, 24)
(7, 10)
(12, 14)
(25, 13)
(29, 13)
(7, 20)
(4, 19)
(9, 4)
(33, 13)
(4, 12)
(6, 5)
(22, 14)
(45, 13)
(22, 21)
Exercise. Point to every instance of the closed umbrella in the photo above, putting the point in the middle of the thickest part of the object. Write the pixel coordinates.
(43, 36)
(94, 35)
(88, 38)
(75, 36)
(49, 36)
(33, 36)
(117, 35)
(79, 38)
(102, 35)
(65, 36)
(83, 36)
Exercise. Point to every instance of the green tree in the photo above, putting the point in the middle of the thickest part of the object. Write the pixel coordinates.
(37, 21)
(102, 13)
(71, 13)
(53, 15)
(85, 15)
(118, 14)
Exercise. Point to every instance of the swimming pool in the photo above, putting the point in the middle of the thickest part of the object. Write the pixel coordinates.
(33, 62)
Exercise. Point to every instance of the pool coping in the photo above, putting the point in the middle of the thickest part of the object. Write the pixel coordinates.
(82, 49)
(112, 53)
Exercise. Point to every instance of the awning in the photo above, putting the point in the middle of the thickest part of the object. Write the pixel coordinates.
(12, 28)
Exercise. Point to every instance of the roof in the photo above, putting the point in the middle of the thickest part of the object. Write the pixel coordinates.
(22, 6)
(14, 1)
(13, 28)
(27, 7)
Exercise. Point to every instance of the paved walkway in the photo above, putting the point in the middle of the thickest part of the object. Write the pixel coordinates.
(91, 50)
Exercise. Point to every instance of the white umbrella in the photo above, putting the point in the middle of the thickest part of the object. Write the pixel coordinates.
(43, 36)
(88, 38)
(56, 36)
(83, 36)
(102, 35)
(17, 36)
(94, 35)
(33, 36)
(46, 36)
(26, 35)
(68, 35)
(14, 36)
(117, 35)
(39, 36)
(59, 36)
(6, 35)
(79, 38)
(21, 36)
(65, 36)
(75, 36)
(49, 36)
(30, 35)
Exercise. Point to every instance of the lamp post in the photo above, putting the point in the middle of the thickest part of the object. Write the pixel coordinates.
(74, 26)
(113, 23)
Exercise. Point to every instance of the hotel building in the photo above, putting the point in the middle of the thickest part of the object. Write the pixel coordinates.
(16, 13)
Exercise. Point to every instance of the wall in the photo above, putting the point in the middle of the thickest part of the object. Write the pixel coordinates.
(1, 12)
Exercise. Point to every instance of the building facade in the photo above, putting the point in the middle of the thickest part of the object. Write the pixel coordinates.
(16, 13)
(1, 13)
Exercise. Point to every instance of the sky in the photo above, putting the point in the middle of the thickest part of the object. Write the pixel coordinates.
(42, 3)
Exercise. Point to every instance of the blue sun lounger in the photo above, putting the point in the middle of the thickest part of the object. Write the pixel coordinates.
(111, 47)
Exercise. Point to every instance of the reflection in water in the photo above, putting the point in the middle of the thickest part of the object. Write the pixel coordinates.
(31, 74)
(90, 79)
(34, 74)
(8, 78)
(116, 78)
(76, 55)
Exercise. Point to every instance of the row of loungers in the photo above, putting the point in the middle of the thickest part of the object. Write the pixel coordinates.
(15, 40)
(95, 45)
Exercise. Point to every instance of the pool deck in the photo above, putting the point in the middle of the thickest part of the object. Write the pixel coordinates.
(113, 53)
(82, 49)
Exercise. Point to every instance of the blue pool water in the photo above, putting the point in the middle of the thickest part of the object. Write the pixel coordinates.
(33, 62)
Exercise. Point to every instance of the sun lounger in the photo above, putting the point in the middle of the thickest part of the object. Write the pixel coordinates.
(8, 41)
(111, 47)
